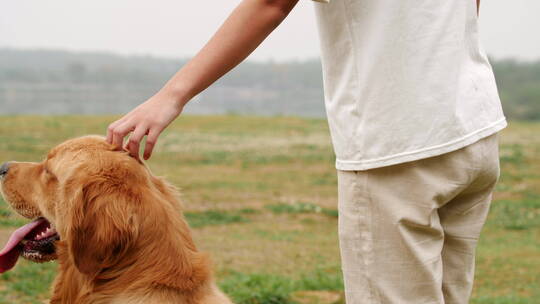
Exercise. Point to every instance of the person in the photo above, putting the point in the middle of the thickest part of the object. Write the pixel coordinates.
(413, 111)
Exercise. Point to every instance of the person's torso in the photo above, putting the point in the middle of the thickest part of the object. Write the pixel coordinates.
(404, 79)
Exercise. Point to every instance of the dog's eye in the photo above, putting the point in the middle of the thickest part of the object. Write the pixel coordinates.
(48, 175)
(46, 170)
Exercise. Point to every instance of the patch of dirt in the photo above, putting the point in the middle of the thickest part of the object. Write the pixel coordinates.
(271, 245)
(318, 297)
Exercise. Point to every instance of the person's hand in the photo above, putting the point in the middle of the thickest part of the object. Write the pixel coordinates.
(231, 44)
(149, 118)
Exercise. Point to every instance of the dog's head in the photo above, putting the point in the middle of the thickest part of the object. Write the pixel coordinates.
(86, 197)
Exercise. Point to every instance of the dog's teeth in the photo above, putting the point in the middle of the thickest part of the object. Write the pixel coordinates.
(45, 234)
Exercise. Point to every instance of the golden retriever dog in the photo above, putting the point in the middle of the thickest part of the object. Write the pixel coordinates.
(117, 231)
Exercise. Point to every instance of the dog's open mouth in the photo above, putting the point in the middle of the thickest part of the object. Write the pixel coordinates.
(33, 241)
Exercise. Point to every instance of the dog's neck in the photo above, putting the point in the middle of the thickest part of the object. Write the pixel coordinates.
(170, 265)
(172, 261)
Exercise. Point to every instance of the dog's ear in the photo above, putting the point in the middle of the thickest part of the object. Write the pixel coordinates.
(103, 226)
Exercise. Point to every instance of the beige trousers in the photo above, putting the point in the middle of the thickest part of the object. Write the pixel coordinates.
(408, 232)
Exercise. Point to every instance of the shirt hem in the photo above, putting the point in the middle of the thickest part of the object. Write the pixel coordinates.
(351, 165)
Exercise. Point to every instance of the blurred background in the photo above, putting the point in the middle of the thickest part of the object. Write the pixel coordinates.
(95, 57)
(252, 154)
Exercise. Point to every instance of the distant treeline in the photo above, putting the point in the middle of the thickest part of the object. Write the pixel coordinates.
(59, 82)
(519, 87)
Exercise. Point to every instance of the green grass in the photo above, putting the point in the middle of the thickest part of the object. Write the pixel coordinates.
(212, 217)
(261, 196)
(29, 284)
(503, 300)
(298, 208)
(517, 214)
(295, 208)
(277, 289)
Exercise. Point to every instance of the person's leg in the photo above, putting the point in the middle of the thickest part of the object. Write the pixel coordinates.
(462, 220)
(391, 237)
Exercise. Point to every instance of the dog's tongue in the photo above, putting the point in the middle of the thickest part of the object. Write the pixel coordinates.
(12, 250)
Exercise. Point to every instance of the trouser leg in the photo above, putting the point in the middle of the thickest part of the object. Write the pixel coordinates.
(462, 220)
(392, 226)
(390, 244)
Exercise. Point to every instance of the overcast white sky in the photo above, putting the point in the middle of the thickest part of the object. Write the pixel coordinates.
(178, 28)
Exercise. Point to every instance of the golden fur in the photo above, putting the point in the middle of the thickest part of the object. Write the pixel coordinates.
(123, 238)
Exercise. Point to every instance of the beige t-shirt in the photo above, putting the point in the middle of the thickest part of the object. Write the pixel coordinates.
(404, 80)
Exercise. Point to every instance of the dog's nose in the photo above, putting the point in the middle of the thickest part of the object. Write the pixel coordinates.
(4, 169)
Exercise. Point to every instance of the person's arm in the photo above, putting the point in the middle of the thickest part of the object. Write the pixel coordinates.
(243, 31)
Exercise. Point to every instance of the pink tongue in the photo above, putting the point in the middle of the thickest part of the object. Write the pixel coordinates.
(10, 253)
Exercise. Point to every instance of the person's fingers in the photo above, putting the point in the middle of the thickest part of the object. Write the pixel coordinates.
(112, 127)
(134, 141)
(151, 140)
(110, 130)
(119, 132)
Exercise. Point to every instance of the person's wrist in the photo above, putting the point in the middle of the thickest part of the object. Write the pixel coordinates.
(179, 95)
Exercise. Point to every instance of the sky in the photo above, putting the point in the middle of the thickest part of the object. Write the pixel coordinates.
(179, 28)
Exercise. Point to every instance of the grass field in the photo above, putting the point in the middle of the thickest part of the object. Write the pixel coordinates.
(260, 194)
